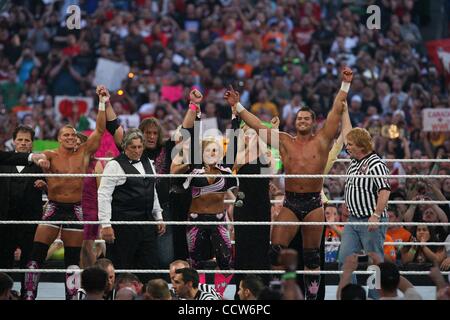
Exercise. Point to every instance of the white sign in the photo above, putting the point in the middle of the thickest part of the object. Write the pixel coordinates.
(445, 58)
(72, 107)
(110, 73)
(436, 119)
(128, 121)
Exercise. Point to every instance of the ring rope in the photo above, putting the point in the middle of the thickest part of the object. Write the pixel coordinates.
(404, 160)
(390, 202)
(399, 244)
(348, 160)
(217, 271)
(238, 223)
(168, 175)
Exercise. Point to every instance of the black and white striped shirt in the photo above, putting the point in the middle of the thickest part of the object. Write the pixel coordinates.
(207, 292)
(361, 194)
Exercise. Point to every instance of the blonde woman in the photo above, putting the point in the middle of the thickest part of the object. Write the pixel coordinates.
(208, 195)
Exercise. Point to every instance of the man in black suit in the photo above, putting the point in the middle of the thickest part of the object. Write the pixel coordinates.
(22, 159)
(21, 199)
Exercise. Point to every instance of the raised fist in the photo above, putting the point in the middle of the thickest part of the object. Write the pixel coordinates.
(232, 96)
(102, 92)
(196, 96)
(347, 74)
(275, 122)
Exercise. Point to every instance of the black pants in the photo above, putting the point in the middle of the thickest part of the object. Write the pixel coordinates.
(11, 238)
(251, 247)
(179, 206)
(135, 247)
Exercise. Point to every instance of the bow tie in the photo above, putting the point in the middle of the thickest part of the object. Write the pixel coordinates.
(134, 161)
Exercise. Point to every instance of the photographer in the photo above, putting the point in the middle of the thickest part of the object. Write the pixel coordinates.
(65, 78)
(26, 63)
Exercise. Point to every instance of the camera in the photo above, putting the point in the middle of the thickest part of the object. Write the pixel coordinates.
(275, 285)
(362, 257)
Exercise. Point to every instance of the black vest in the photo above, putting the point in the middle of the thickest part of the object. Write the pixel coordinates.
(134, 199)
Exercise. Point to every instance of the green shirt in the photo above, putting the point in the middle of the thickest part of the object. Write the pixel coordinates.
(11, 93)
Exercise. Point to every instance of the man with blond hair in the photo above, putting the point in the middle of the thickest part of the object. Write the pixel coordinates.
(366, 197)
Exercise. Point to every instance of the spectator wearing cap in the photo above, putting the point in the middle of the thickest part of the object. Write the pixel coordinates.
(355, 112)
(329, 70)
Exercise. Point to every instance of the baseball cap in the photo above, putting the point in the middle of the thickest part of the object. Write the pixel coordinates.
(330, 61)
(356, 98)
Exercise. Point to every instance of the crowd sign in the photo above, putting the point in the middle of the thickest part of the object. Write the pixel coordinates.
(110, 73)
(436, 119)
(72, 107)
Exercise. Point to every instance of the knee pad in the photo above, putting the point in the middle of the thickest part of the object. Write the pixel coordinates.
(311, 258)
(39, 252)
(274, 253)
(72, 256)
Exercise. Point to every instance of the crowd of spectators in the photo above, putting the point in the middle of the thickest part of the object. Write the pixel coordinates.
(279, 54)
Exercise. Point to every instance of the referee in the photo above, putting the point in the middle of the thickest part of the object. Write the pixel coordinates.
(366, 198)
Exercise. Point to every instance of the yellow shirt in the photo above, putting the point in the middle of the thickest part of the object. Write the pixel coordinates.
(268, 106)
(332, 156)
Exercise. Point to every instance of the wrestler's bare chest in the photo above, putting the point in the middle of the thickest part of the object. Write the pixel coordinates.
(303, 156)
(71, 163)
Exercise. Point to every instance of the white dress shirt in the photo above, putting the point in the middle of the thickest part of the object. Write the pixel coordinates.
(106, 190)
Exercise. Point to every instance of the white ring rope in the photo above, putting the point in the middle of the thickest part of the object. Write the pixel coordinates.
(348, 160)
(238, 223)
(289, 176)
(400, 244)
(217, 271)
(404, 160)
(390, 202)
